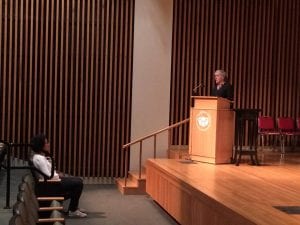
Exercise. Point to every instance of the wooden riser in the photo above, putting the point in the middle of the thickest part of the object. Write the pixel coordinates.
(131, 190)
(202, 193)
(134, 185)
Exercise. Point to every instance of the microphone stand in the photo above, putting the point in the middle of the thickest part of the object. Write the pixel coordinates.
(197, 87)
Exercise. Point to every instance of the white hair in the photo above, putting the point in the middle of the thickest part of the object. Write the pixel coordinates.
(222, 73)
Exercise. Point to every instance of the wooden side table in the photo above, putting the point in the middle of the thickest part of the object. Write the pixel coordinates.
(246, 123)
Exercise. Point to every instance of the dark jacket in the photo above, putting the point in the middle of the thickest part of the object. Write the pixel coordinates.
(226, 91)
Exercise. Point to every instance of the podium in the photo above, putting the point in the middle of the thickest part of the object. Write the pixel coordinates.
(211, 130)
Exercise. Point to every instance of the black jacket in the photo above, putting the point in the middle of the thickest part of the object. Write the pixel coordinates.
(226, 91)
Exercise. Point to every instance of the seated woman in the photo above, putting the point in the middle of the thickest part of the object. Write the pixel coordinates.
(69, 187)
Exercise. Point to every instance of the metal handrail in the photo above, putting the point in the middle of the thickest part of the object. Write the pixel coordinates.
(9, 146)
(140, 140)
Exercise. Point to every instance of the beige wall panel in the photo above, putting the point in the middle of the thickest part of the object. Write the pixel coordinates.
(151, 75)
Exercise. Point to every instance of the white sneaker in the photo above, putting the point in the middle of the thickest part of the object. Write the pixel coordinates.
(82, 210)
(77, 213)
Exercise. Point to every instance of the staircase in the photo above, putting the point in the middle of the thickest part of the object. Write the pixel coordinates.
(137, 185)
(134, 184)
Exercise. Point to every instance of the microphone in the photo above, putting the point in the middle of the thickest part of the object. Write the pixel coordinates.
(198, 86)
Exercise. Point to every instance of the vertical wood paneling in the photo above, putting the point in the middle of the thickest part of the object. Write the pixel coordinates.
(66, 92)
(256, 42)
(4, 66)
(66, 70)
(91, 153)
(9, 71)
(72, 53)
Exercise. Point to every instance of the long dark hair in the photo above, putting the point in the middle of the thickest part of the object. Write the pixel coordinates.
(37, 143)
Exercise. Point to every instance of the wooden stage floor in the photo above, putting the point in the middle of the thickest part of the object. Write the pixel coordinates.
(201, 193)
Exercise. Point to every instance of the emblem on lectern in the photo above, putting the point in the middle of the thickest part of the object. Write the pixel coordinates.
(203, 120)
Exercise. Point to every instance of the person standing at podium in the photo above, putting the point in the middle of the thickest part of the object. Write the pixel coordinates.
(222, 87)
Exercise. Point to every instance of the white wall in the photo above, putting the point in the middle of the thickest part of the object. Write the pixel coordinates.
(151, 74)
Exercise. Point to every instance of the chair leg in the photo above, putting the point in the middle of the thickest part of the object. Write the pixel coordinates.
(295, 138)
(282, 147)
(262, 148)
(274, 143)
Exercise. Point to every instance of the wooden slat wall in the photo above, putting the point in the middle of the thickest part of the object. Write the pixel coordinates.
(66, 70)
(257, 42)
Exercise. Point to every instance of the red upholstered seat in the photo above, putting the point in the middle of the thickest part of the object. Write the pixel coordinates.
(287, 127)
(266, 127)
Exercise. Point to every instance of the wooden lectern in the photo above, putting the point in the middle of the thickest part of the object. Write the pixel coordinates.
(211, 130)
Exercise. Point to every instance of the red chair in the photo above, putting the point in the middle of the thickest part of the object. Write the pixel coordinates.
(266, 127)
(287, 128)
